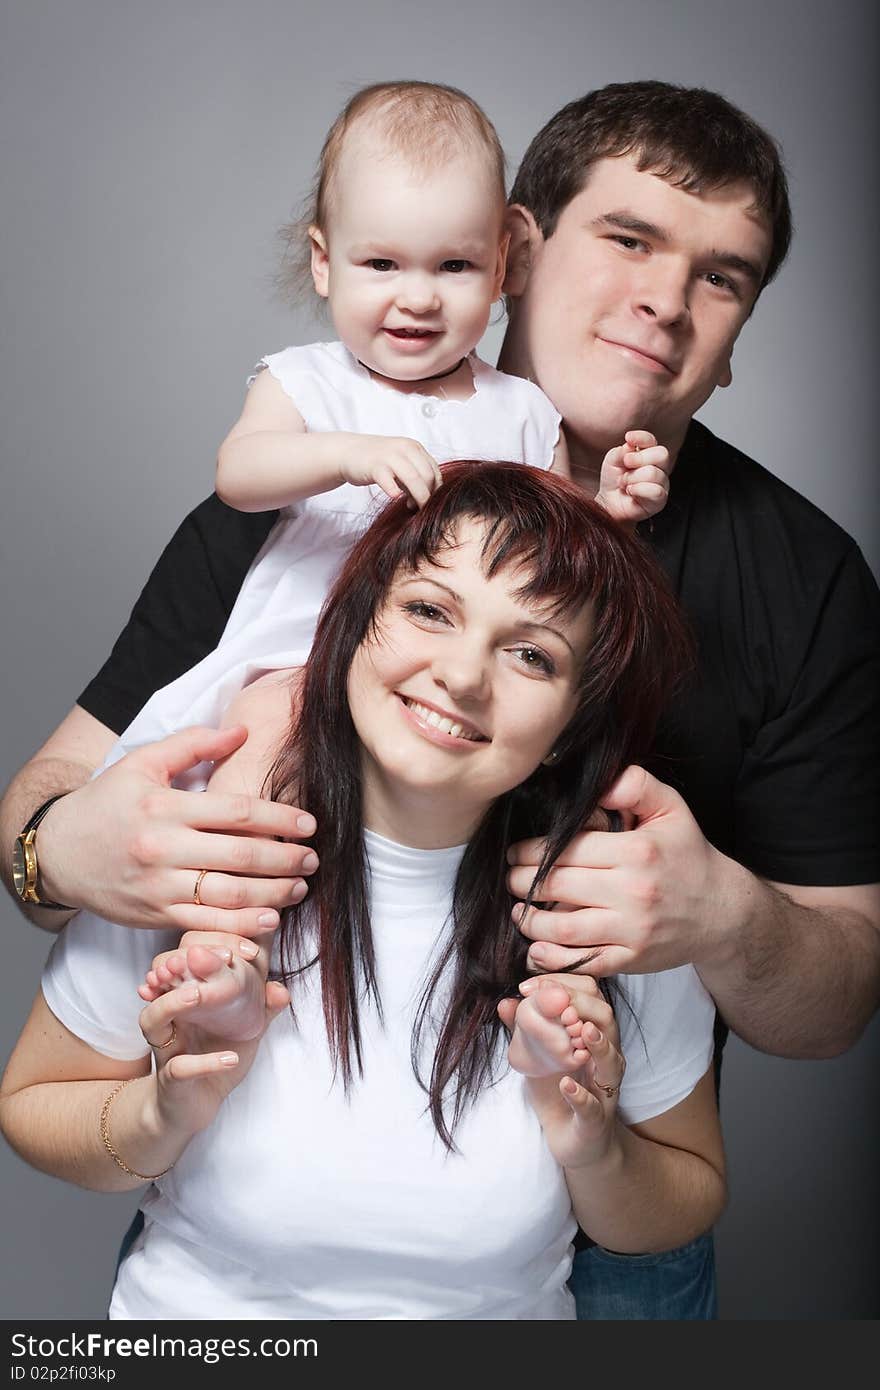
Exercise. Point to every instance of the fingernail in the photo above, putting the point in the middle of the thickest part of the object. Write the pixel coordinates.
(307, 824)
(228, 1059)
(248, 949)
(299, 891)
(310, 863)
(592, 1032)
(223, 952)
(190, 996)
(527, 986)
(511, 856)
(517, 911)
(268, 919)
(537, 955)
(568, 1086)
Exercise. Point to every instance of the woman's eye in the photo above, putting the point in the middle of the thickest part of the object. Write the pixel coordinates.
(455, 267)
(536, 660)
(380, 263)
(419, 608)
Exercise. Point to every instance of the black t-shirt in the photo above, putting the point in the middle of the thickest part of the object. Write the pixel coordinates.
(774, 744)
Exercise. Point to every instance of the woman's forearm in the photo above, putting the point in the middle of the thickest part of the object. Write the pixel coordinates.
(644, 1196)
(56, 1127)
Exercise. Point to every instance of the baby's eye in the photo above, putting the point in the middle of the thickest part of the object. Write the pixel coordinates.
(535, 660)
(455, 267)
(380, 263)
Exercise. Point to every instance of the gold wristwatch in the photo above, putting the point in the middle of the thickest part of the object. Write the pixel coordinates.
(25, 869)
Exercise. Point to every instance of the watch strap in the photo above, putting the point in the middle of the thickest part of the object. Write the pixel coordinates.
(30, 829)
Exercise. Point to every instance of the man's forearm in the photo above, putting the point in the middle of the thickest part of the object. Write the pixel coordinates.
(793, 979)
(35, 783)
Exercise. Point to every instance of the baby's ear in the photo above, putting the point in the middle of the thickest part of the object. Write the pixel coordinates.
(320, 262)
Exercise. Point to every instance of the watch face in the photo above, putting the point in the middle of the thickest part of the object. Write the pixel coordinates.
(19, 873)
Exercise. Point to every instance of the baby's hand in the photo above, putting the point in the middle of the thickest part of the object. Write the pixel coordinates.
(395, 465)
(546, 1031)
(634, 483)
(231, 974)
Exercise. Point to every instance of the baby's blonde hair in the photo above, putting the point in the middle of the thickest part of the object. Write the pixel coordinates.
(426, 122)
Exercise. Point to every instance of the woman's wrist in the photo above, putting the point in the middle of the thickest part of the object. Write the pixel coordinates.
(602, 1158)
(137, 1133)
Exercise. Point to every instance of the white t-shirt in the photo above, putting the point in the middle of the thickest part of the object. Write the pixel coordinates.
(273, 621)
(302, 1202)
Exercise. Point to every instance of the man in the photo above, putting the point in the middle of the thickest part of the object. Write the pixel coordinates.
(646, 219)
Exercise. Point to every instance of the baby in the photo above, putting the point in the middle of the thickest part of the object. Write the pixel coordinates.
(407, 243)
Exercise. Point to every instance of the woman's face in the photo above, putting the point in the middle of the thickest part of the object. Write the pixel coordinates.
(462, 694)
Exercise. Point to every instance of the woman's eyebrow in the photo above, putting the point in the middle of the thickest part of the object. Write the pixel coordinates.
(545, 627)
(427, 579)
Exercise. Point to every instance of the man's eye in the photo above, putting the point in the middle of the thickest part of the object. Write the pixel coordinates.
(380, 263)
(720, 282)
(536, 660)
(629, 243)
(455, 267)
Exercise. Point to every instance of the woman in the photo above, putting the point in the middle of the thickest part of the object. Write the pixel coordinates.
(481, 672)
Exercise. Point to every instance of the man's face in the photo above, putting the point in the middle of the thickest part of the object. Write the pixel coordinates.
(631, 308)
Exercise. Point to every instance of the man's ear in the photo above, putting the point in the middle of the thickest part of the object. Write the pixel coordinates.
(525, 239)
(501, 264)
(320, 262)
(726, 376)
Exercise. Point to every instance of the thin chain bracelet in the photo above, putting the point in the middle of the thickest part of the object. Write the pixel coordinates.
(108, 1145)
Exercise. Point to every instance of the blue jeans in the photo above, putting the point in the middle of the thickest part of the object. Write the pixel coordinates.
(674, 1286)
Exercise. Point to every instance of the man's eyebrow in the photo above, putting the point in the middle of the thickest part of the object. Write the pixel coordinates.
(730, 261)
(628, 222)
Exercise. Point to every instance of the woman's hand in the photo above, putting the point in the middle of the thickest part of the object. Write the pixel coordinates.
(578, 1112)
(196, 1069)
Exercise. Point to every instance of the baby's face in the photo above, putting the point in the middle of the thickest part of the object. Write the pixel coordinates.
(411, 261)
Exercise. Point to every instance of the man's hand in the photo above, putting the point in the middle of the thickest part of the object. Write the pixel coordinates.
(650, 898)
(130, 847)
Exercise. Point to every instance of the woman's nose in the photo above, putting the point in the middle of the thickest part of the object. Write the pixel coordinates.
(463, 671)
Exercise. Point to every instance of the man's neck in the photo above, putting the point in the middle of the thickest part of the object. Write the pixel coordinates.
(585, 454)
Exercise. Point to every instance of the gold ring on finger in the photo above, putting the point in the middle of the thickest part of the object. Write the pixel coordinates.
(609, 1090)
(197, 890)
(160, 1047)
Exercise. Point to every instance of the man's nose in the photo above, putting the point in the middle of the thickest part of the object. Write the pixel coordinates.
(417, 293)
(663, 293)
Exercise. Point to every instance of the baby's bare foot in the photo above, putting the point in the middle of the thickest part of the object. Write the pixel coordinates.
(232, 1001)
(546, 1032)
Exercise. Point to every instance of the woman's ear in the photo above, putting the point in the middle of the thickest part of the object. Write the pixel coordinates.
(320, 262)
(525, 241)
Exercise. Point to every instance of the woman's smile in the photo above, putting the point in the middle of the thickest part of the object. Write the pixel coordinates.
(449, 730)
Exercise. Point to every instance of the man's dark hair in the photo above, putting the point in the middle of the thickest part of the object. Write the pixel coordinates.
(695, 139)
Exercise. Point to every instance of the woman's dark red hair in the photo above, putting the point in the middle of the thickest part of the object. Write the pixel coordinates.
(565, 551)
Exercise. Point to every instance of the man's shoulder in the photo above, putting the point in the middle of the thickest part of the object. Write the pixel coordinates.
(723, 475)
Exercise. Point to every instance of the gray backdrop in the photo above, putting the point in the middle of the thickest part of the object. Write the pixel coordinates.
(149, 152)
